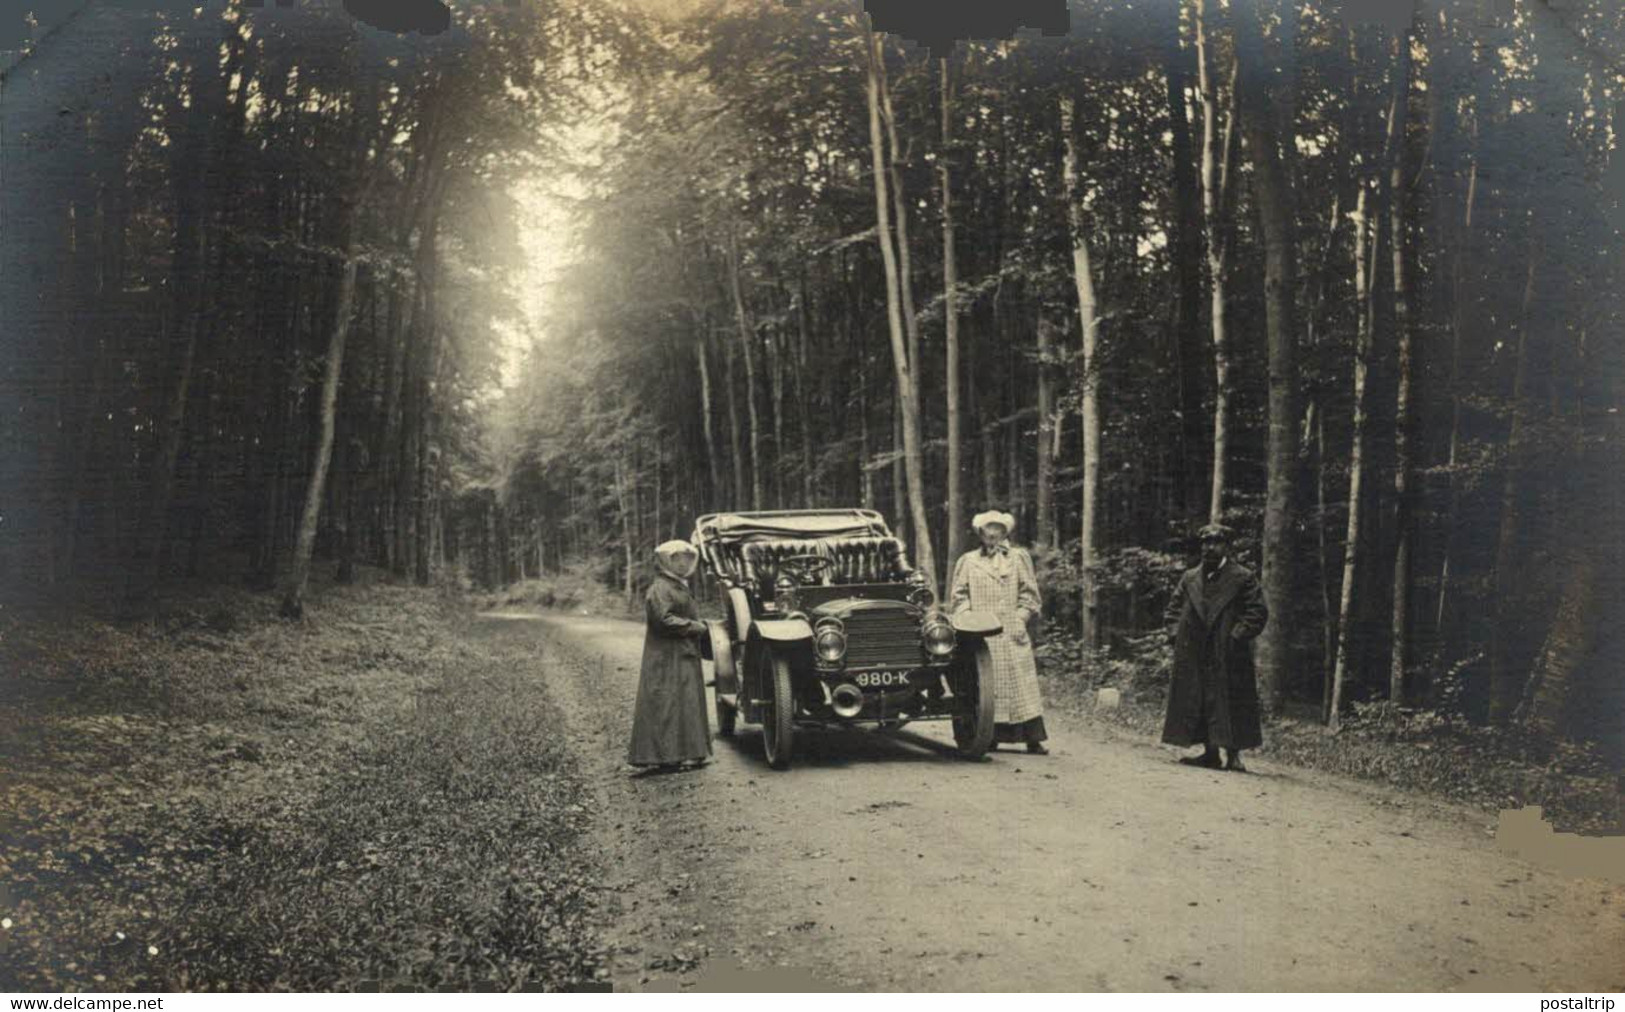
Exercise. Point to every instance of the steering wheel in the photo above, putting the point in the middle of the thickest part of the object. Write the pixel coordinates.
(805, 568)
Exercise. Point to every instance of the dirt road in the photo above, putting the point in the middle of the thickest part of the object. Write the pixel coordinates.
(881, 862)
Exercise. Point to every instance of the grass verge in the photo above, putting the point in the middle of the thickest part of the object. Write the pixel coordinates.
(374, 798)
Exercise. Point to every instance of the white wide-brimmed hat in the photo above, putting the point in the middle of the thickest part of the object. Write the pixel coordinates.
(1004, 520)
(667, 554)
(666, 551)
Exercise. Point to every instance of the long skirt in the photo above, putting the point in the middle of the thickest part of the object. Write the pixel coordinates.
(1029, 731)
(669, 723)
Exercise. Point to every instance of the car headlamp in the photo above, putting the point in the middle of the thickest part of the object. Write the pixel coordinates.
(829, 641)
(937, 635)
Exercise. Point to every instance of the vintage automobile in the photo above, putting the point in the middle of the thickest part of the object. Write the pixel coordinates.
(827, 625)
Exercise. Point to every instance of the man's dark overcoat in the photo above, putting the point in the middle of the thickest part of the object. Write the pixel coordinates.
(669, 723)
(1213, 693)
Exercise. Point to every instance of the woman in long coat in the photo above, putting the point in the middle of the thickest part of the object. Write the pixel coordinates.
(669, 724)
(1216, 611)
(998, 578)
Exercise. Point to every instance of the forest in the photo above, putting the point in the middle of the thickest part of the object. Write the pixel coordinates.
(1350, 286)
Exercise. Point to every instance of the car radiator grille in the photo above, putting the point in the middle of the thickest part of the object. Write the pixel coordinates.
(890, 637)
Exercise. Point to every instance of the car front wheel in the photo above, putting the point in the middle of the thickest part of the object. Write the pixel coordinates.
(973, 724)
(778, 720)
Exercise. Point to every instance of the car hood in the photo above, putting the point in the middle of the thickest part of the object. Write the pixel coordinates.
(844, 608)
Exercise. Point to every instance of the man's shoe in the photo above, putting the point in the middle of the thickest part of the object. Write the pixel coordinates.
(1206, 760)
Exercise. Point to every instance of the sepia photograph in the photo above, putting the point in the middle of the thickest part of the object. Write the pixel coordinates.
(813, 496)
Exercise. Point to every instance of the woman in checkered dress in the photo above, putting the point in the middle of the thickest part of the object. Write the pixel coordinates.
(998, 578)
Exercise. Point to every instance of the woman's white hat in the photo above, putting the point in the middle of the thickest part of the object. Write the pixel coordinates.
(1004, 520)
(668, 553)
(676, 547)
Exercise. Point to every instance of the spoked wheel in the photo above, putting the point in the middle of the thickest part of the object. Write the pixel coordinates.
(973, 725)
(778, 716)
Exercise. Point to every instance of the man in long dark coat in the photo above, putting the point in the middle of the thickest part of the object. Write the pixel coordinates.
(1216, 611)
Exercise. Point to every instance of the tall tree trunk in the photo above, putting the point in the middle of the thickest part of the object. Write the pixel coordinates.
(1089, 366)
(293, 590)
(1189, 347)
(804, 410)
(1503, 678)
(1275, 202)
(1354, 542)
(865, 448)
(899, 481)
(775, 364)
(1045, 479)
(907, 398)
(950, 311)
(733, 430)
(1461, 249)
(1405, 487)
(1588, 549)
(705, 420)
(623, 506)
(905, 269)
(1328, 615)
(424, 487)
(1216, 160)
(747, 341)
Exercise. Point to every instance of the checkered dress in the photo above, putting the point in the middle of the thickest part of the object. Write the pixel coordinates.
(1003, 584)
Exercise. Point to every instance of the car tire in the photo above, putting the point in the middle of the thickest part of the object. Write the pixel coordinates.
(778, 720)
(973, 729)
(727, 717)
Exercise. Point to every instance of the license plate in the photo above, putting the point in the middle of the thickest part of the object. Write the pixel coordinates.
(881, 679)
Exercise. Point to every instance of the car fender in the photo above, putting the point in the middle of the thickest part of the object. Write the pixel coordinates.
(783, 630)
(739, 608)
(976, 623)
(716, 648)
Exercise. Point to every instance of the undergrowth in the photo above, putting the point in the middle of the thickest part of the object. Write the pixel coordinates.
(1425, 751)
(215, 799)
(579, 589)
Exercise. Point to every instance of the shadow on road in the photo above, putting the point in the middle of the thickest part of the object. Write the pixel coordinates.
(834, 749)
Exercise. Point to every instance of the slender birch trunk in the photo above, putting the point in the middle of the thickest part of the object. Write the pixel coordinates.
(747, 341)
(734, 435)
(293, 590)
(1363, 240)
(775, 370)
(1405, 487)
(1217, 154)
(1046, 423)
(907, 397)
(905, 269)
(705, 419)
(950, 310)
(1089, 318)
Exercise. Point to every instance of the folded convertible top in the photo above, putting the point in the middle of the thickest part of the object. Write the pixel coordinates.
(737, 528)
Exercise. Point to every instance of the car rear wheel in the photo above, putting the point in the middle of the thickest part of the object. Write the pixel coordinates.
(727, 717)
(778, 717)
(973, 725)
